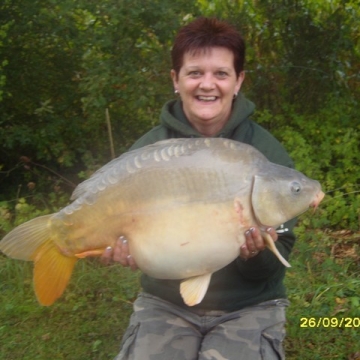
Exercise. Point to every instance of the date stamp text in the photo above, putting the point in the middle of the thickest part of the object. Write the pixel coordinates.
(330, 322)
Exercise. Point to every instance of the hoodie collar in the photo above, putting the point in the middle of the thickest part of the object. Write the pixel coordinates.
(173, 117)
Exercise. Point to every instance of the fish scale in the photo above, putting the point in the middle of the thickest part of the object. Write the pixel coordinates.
(183, 204)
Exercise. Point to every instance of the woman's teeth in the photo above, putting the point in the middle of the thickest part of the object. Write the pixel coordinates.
(207, 98)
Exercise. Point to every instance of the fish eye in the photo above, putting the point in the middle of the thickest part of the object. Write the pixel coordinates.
(295, 188)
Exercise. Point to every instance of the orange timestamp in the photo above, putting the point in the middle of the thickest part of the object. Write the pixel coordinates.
(330, 322)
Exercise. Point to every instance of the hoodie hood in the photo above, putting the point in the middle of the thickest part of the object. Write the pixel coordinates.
(173, 117)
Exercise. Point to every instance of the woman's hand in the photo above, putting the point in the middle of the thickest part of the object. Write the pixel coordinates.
(254, 243)
(119, 253)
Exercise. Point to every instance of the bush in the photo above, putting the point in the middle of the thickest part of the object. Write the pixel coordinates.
(325, 146)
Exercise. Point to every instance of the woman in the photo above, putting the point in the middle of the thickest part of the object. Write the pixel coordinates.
(243, 313)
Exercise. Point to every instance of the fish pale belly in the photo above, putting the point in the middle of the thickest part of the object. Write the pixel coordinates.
(186, 240)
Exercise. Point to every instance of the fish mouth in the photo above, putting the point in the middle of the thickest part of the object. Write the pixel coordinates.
(319, 196)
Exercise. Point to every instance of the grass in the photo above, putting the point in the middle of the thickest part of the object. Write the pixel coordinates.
(86, 323)
(90, 318)
(324, 289)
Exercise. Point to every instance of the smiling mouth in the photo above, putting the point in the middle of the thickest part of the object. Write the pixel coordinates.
(207, 98)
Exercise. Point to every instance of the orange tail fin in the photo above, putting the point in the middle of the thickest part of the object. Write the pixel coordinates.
(52, 270)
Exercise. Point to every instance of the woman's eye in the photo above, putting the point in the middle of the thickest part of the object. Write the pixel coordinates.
(222, 74)
(194, 73)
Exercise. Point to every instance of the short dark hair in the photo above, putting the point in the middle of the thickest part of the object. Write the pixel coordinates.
(205, 33)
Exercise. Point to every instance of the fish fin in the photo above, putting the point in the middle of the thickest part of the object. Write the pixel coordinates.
(52, 271)
(22, 242)
(95, 252)
(271, 245)
(194, 289)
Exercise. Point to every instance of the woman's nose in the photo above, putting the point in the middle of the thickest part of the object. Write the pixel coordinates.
(207, 82)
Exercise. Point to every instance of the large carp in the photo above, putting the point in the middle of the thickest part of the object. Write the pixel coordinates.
(183, 204)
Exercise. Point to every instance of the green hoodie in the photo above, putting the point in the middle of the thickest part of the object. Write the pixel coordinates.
(241, 283)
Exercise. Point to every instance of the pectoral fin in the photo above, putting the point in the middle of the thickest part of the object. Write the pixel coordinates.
(95, 252)
(194, 289)
(271, 245)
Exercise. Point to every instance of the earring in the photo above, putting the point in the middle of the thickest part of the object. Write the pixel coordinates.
(176, 91)
(235, 95)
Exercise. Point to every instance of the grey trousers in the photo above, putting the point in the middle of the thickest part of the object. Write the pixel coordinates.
(159, 330)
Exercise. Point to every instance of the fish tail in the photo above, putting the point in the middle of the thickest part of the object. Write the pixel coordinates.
(52, 272)
(32, 241)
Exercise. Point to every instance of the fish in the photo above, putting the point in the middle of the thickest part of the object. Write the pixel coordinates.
(183, 205)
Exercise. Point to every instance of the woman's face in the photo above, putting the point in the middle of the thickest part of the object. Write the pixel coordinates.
(207, 83)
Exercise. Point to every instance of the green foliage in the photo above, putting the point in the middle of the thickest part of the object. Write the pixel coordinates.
(62, 66)
(298, 52)
(325, 146)
(127, 67)
(65, 65)
(4, 62)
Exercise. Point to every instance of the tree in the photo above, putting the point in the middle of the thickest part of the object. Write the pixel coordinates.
(66, 65)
